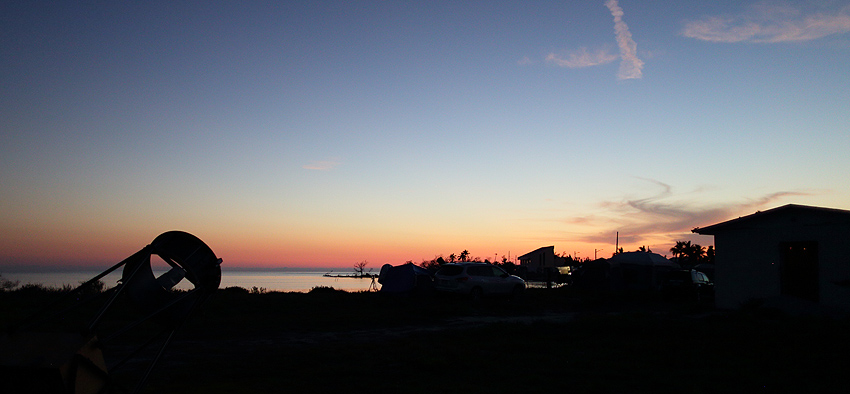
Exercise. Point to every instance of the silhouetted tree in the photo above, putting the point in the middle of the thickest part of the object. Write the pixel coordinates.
(680, 248)
(8, 285)
(437, 262)
(430, 265)
(644, 249)
(709, 255)
(697, 253)
(508, 266)
(360, 267)
(688, 254)
(434, 264)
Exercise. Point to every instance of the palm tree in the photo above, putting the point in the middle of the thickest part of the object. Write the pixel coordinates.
(687, 253)
(681, 248)
(696, 253)
(709, 254)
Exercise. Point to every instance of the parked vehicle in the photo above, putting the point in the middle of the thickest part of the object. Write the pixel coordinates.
(477, 280)
(688, 285)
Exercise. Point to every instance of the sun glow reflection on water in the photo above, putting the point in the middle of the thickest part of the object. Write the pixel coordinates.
(292, 281)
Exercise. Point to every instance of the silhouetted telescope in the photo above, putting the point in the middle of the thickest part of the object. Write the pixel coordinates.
(43, 355)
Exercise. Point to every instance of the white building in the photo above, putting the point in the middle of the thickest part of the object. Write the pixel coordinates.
(541, 260)
(789, 256)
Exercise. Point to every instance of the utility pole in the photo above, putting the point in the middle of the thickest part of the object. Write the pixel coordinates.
(617, 245)
(594, 252)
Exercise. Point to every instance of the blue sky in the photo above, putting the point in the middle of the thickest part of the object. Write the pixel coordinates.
(327, 133)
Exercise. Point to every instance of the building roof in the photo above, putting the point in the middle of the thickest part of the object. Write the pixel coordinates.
(537, 251)
(822, 215)
(641, 258)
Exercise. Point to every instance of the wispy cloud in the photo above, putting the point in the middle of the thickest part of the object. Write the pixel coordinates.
(581, 58)
(321, 165)
(659, 216)
(767, 23)
(631, 67)
(525, 61)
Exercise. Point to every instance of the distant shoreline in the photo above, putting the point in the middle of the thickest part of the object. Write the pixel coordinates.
(16, 268)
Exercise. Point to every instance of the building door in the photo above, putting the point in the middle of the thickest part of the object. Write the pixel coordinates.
(799, 270)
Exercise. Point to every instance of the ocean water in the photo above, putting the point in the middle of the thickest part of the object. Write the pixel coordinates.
(285, 280)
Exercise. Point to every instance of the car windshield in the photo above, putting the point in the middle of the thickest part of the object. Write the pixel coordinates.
(702, 277)
(450, 270)
(479, 270)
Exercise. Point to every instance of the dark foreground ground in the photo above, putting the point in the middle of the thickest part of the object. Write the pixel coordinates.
(547, 341)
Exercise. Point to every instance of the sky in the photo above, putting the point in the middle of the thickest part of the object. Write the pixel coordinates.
(325, 133)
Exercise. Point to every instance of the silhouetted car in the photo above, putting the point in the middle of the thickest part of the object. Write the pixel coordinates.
(688, 285)
(477, 280)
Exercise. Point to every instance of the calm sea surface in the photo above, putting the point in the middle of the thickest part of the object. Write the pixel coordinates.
(294, 279)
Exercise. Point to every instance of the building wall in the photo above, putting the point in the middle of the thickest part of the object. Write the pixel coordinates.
(748, 262)
(835, 267)
(745, 268)
(539, 260)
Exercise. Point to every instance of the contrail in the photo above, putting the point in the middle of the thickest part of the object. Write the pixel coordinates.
(630, 65)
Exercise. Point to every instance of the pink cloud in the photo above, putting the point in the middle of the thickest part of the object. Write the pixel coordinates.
(582, 58)
(766, 23)
(320, 165)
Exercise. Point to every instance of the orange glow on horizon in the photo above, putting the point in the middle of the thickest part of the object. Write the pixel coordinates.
(280, 249)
